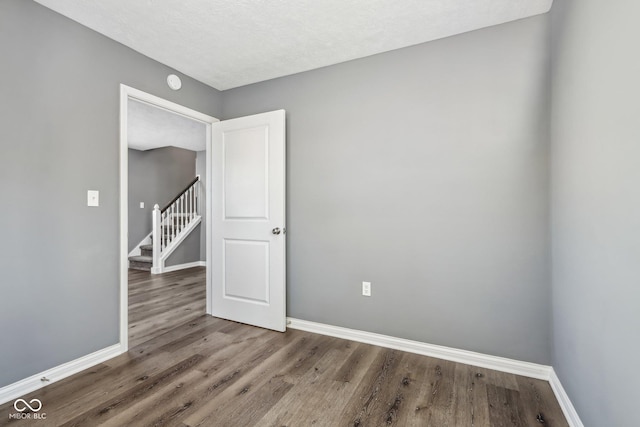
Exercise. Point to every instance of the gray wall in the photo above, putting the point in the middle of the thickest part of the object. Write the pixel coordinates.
(596, 207)
(424, 171)
(155, 176)
(201, 169)
(59, 137)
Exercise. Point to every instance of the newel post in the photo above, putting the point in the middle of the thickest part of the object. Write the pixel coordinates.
(156, 235)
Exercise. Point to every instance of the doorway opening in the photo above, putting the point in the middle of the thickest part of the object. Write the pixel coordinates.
(165, 169)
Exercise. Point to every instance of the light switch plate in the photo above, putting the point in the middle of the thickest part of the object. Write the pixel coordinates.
(141, 205)
(93, 198)
(366, 289)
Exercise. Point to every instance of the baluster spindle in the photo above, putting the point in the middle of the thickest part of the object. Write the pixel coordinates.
(196, 191)
(170, 223)
(164, 230)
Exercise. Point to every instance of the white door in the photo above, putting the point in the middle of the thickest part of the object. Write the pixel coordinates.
(248, 220)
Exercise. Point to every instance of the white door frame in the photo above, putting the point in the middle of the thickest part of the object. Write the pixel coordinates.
(127, 93)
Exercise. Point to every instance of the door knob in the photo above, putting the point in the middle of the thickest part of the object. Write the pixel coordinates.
(275, 231)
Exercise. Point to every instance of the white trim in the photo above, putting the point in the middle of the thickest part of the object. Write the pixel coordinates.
(137, 251)
(502, 364)
(568, 410)
(207, 198)
(184, 233)
(159, 262)
(186, 265)
(124, 219)
(127, 93)
(34, 382)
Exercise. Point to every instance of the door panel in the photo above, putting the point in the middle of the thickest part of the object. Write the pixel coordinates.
(246, 173)
(248, 204)
(239, 282)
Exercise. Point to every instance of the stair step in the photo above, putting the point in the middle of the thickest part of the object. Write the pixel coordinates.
(142, 266)
(141, 258)
(140, 262)
(146, 247)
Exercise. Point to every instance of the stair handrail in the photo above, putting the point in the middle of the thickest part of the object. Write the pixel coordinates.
(170, 221)
(196, 179)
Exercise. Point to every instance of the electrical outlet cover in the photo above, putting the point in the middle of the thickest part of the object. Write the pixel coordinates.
(366, 289)
(93, 198)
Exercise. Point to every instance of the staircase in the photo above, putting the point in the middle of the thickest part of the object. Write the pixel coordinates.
(144, 261)
(171, 225)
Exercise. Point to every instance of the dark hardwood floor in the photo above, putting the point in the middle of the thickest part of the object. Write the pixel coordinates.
(213, 372)
(160, 302)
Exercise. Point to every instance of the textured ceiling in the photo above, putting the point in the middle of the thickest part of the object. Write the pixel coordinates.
(152, 127)
(230, 43)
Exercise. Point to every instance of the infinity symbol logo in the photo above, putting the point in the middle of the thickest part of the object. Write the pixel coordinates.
(26, 405)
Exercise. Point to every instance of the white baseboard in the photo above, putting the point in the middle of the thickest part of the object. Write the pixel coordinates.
(34, 382)
(183, 266)
(527, 369)
(502, 364)
(563, 399)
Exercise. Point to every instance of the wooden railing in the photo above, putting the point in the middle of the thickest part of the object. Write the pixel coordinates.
(174, 218)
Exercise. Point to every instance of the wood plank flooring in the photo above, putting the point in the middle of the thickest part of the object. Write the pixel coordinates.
(213, 372)
(159, 302)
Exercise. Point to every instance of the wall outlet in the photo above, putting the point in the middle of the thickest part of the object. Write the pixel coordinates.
(366, 289)
(93, 198)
